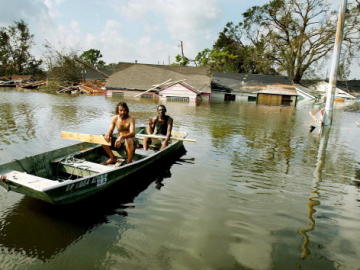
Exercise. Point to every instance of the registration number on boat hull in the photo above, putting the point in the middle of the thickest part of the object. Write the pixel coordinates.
(98, 180)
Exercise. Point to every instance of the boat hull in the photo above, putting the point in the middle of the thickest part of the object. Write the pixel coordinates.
(89, 186)
(71, 191)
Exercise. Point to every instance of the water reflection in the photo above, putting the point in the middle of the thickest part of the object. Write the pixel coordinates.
(248, 202)
(357, 176)
(53, 228)
(7, 123)
(262, 147)
(315, 199)
(17, 119)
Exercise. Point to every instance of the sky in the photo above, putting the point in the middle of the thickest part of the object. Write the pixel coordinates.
(148, 31)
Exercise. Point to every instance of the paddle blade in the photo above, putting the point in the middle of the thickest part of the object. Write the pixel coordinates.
(97, 139)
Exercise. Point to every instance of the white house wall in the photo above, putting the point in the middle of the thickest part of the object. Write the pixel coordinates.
(239, 97)
(178, 90)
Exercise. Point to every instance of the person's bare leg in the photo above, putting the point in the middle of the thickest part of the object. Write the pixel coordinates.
(112, 159)
(146, 143)
(146, 140)
(129, 146)
(163, 145)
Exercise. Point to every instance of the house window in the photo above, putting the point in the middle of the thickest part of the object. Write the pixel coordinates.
(286, 100)
(181, 99)
(251, 98)
(229, 97)
(146, 96)
(118, 94)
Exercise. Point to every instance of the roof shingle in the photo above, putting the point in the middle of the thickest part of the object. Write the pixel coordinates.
(144, 76)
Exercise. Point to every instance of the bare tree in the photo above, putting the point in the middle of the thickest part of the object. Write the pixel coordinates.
(297, 33)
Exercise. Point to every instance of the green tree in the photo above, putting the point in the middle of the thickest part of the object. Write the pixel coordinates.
(93, 57)
(181, 60)
(230, 54)
(5, 66)
(282, 36)
(15, 44)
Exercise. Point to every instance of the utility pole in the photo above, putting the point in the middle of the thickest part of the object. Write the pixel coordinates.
(182, 48)
(328, 115)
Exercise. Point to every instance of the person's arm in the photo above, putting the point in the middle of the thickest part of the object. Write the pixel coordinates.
(168, 132)
(109, 134)
(150, 126)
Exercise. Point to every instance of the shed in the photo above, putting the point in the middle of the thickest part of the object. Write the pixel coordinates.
(134, 79)
(276, 96)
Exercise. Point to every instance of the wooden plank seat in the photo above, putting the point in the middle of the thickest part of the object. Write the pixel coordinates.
(81, 167)
(30, 181)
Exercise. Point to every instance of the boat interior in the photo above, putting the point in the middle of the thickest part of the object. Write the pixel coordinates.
(69, 163)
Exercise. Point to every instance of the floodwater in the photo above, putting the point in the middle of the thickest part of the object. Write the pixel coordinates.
(256, 191)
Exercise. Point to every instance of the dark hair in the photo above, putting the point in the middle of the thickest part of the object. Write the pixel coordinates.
(124, 105)
(161, 106)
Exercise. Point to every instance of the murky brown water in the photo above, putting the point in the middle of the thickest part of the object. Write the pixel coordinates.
(257, 191)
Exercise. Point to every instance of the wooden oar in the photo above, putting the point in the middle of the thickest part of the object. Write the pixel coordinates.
(141, 136)
(98, 139)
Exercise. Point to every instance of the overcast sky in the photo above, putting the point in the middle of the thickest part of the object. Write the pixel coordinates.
(126, 30)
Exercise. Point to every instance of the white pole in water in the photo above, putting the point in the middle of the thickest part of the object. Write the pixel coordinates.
(328, 115)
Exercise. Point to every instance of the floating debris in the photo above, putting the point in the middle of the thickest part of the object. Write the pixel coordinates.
(83, 89)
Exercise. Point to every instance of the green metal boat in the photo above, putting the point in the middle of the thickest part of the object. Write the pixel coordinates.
(73, 173)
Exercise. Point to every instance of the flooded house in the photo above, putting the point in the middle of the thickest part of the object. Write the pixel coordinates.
(171, 83)
(262, 89)
(345, 90)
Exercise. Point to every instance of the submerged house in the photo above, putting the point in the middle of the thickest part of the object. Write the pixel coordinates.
(264, 89)
(181, 91)
(345, 90)
(175, 83)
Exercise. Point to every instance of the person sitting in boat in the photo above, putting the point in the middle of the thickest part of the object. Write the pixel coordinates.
(159, 125)
(125, 125)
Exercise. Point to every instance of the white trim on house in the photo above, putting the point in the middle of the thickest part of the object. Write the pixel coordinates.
(178, 90)
(304, 92)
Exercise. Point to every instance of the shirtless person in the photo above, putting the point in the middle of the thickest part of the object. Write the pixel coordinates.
(159, 125)
(126, 128)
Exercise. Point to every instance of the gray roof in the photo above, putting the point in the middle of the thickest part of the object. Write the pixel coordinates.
(144, 76)
(249, 83)
(352, 86)
(91, 74)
